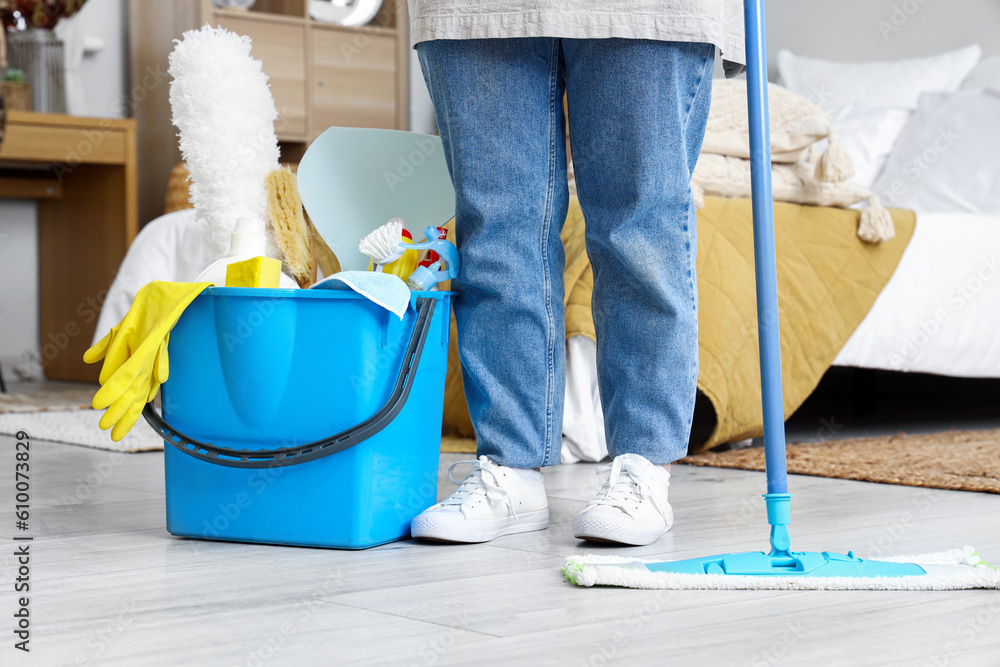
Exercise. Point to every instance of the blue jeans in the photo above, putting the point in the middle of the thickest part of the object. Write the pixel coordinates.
(637, 114)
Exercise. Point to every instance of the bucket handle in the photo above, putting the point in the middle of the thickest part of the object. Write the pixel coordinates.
(288, 456)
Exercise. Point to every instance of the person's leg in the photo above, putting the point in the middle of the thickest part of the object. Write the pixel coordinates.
(637, 115)
(499, 111)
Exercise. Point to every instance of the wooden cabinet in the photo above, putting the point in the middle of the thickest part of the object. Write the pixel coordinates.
(364, 64)
(83, 172)
(321, 75)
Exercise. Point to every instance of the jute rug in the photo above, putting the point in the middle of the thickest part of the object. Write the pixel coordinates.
(59, 399)
(958, 460)
(455, 444)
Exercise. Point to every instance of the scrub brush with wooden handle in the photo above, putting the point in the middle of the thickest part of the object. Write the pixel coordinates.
(291, 231)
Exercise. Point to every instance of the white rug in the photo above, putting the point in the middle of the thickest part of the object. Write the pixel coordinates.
(79, 427)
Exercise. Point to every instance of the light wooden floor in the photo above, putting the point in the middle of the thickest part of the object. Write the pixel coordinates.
(111, 587)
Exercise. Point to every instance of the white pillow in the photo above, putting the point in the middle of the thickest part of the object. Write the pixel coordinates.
(985, 75)
(832, 84)
(868, 134)
(946, 158)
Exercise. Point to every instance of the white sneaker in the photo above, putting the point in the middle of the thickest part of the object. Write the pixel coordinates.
(631, 508)
(491, 501)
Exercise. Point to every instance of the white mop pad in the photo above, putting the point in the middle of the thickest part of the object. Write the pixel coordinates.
(950, 570)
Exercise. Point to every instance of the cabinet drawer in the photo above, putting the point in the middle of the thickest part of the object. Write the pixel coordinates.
(281, 49)
(354, 79)
(44, 143)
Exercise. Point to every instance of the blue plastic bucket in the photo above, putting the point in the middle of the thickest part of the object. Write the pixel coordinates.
(256, 375)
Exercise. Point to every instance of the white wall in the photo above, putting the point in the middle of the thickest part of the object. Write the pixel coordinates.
(18, 282)
(103, 76)
(104, 73)
(421, 109)
(858, 30)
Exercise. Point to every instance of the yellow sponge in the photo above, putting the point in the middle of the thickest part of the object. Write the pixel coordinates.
(254, 272)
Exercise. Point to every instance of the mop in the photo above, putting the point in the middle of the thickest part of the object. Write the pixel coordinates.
(781, 567)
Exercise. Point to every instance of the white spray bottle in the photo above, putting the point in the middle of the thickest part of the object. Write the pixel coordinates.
(249, 240)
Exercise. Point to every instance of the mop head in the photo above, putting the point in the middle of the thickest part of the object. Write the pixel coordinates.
(951, 570)
(291, 232)
(223, 108)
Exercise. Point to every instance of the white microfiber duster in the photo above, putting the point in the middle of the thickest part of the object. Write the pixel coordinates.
(950, 570)
(225, 113)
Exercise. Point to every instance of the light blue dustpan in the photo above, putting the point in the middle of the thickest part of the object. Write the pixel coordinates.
(354, 180)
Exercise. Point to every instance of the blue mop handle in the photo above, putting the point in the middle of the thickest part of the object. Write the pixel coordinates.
(763, 249)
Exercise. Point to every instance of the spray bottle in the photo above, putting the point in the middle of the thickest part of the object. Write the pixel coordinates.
(426, 278)
(432, 256)
(249, 240)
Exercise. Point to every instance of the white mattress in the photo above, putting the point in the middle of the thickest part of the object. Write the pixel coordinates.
(939, 313)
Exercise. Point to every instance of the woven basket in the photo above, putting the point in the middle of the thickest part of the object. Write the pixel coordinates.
(17, 96)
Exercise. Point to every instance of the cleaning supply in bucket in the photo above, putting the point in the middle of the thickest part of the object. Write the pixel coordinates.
(288, 222)
(225, 114)
(135, 353)
(432, 256)
(254, 272)
(385, 289)
(426, 278)
(388, 252)
(249, 240)
(349, 185)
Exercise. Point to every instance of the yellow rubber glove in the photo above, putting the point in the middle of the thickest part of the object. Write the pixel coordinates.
(124, 411)
(135, 353)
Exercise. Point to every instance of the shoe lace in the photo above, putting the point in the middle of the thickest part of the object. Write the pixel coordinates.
(480, 482)
(626, 487)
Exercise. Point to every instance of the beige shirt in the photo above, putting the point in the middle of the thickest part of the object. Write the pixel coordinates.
(718, 22)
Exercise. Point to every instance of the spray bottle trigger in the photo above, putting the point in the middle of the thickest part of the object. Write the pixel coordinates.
(425, 278)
